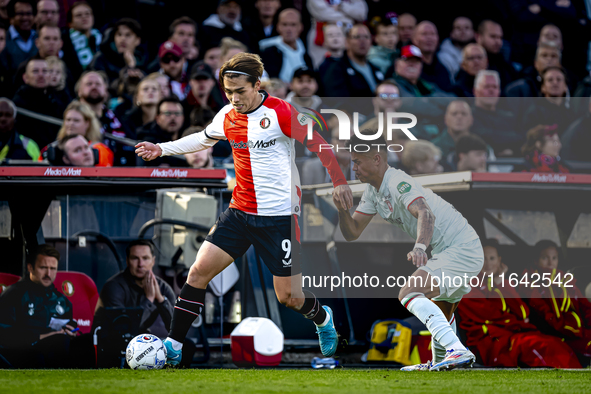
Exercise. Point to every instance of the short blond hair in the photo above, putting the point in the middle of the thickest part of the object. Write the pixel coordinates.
(56, 61)
(418, 151)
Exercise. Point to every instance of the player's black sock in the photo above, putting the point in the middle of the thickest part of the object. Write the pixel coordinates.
(312, 309)
(188, 306)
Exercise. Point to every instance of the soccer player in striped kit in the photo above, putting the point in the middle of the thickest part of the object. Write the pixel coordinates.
(265, 202)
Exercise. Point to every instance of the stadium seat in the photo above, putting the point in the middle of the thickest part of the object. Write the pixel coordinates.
(82, 293)
(7, 280)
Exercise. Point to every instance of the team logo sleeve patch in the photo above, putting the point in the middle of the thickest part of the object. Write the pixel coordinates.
(403, 187)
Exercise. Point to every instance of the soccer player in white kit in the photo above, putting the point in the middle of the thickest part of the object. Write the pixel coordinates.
(265, 203)
(429, 219)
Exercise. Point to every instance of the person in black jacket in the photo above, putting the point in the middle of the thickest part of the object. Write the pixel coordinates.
(426, 38)
(36, 325)
(167, 127)
(284, 54)
(353, 75)
(36, 96)
(121, 50)
(138, 286)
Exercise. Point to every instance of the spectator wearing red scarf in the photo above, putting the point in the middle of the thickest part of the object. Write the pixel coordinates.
(541, 151)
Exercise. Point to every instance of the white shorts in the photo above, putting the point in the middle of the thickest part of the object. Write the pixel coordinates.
(456, 262)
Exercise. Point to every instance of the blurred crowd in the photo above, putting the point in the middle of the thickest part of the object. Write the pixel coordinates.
(81, 82)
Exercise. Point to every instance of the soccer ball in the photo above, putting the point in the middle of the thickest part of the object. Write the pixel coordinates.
(146, 351)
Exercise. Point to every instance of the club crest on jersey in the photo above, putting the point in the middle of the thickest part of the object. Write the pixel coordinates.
(265, 123)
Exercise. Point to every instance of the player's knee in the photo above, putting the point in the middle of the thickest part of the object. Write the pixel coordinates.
(197, 276)
(287, 300)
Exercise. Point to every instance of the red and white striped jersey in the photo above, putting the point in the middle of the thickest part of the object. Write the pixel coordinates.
(263, 145)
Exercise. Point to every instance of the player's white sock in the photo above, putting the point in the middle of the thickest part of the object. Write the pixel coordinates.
(176, 345)
(438, 351)
(432, 317)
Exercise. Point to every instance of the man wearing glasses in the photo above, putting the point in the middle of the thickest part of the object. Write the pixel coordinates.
(20, 40)
(176, 67)
(167, 127)
(48, 13)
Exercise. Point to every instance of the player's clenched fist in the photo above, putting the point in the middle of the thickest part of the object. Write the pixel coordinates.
(148, 151)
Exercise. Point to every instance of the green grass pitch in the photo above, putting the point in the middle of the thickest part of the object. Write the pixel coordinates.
(293, 381)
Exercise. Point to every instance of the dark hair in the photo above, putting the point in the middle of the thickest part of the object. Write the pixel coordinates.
(49, 26)
(469, 143)
(542, 245)
(11, 11)
(132, 24)
(547, 69)
(3, 26)
(248, 63)
(183, 20)
(75, 5)
(379, 22)
(482, 26)
(169, 99)
(492, 242)
(537, 134)
(139, 242)
(42, 250)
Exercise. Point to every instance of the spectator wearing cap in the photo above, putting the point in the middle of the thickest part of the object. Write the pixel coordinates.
(353, 75)
(497, 126)
(452, 48)
(408, 70)
(121, 50)
(201, 104)
(490, 36)
(174, 65)
(225, 23)
(12, 144)
(426, 38)
(263, 23)
(473, 61)
(283, 54)
(383, 54)
(303, 89)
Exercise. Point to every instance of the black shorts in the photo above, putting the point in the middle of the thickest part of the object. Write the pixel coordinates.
(275, 239)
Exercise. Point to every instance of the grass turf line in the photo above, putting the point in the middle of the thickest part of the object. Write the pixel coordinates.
(291, 381)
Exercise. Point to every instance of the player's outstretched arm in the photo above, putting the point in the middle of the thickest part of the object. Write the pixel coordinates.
(148, 151)
(351, 226)
(425, 226)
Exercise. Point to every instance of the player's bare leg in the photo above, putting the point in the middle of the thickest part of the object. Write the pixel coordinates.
(416, 297)
(210, 261)
(289, 293)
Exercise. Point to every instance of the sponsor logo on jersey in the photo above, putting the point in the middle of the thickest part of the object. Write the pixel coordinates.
(250, 144)
(265, 123)
(67, 288)
(70, 171)
(169, 173)
(303, 119)
(403, 187)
